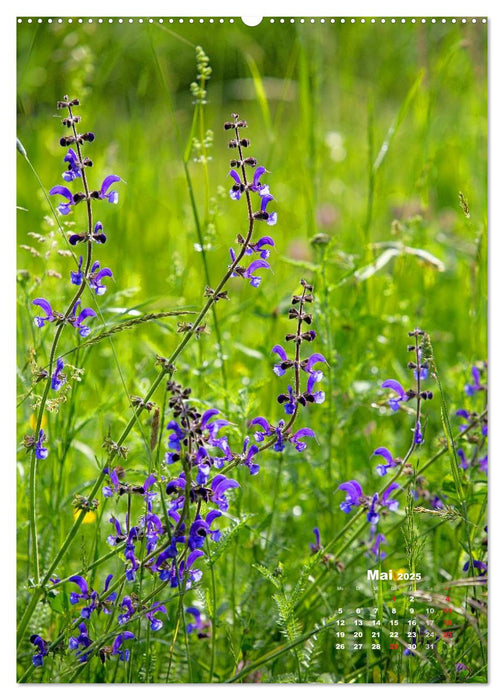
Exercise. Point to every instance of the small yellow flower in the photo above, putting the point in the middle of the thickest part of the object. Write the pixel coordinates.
(33, 421)
(90, 516)
(396, 572)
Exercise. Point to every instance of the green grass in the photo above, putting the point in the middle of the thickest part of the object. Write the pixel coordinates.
(369, 133)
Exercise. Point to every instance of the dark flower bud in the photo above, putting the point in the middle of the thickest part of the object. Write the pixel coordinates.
(78, 197)
(411, 348)
(240, 239)
(88, 136)
(74, 103)
(233, 143)
(94, 194)
(87, 162)
(296, 299)
(287, 364)
(308, 299)
(309, 336)
(290, 336)
(68, 121)
(228, 125)
(261, 215)
(293, 313)
(250, 161)
(308, 287)
(411, 394)
(244, 143)
(307, 318)
(235, 163)
(320, 239)
(426, 395)
(412, 365)
(242, 124)
(66, 141)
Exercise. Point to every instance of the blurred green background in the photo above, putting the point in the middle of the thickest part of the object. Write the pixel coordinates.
(369, 131)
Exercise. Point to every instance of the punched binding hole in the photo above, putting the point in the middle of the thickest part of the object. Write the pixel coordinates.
(251, 21)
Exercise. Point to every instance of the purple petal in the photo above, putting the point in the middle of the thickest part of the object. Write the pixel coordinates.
(63, 191)
(353, 489)
(81, 582)
(109, 180)
(395, 386)
(280, 352)
(383, 452)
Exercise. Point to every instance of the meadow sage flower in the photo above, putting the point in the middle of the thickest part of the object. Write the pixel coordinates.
(40, 321)
(77, 277)
(297, 442)
(57, 378)
(197, 624)
(64, 208)
(390, 462)
(316, 547)
(78, 321)
(40, 451)
(74, 168)
(354, 495)
(95, 278)
(43, 649)
(117, 650)
(83, 641)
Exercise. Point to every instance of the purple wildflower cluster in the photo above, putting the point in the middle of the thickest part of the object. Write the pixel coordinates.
(242, 187)
(180, 508)
(378, 504)
(87, 274)
(474, 424)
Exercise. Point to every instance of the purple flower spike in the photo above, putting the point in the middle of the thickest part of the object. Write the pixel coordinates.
(112, 196)
(354, 495)
(58, 379)
(401, 394)
(95, 277)
(40, 321)
(65, 207)
(390, 462)
(418, 437)
(295, 439)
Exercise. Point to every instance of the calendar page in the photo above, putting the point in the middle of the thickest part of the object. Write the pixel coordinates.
(252, 349)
